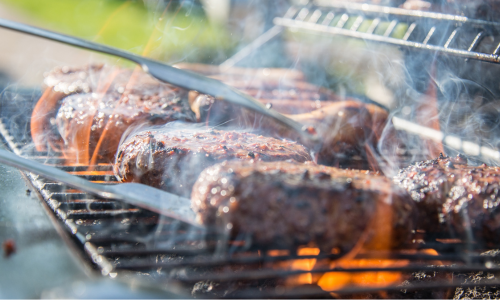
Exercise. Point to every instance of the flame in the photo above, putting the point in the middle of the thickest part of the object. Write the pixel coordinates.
(278, 252)
(303, 264)
(378, 237)
(78, 145)
(92, 173)
(130, 83)
(40, 123)
(333, 281)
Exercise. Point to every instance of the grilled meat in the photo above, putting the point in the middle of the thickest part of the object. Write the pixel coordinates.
(173, 159)
(81, 113)
(287, 203)
(270, 86)
(350, 130)
(112, 97)
(455, 198)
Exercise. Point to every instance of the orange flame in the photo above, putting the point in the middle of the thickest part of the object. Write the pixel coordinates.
(303, 264)
(379, 237)
(40, 121)
(131, 82)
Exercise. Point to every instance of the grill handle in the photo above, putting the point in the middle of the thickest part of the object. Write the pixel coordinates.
(141, 195)
(182, 78)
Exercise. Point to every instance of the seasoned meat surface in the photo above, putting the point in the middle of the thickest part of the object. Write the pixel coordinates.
(455, 197)
(173, 159)
(106, 96)
(288, 203)
(349, 129)
(81, 113)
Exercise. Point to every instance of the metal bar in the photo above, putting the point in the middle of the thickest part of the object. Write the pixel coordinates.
(302, 14)
(388, 40)
(291, 12)
(343, 19)
(267, 274)
(357, 23)
(385, 10)
(390, 28)
(450, 39)
(328, 19)
(250, 48)
(497, 49)
(479, 37)
(212, 262)
(315, 16)
(409, 31)
(429, 35)
(311, 292)
(373, 26)
(451, 141)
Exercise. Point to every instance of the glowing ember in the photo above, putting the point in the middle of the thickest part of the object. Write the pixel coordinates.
(303, 264)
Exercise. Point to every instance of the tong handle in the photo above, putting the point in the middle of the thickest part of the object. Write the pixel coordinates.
(13, 160)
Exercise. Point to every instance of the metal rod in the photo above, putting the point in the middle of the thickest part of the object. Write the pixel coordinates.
(450, 39)
(479, 37)
(373, 26)
(357, 23)
(302, 14)
(265, 274)
(315, 16)
(328, 19)
(250, 48)
(388, 40)
(409, 31)
(451, 141)
(343, 19)
(497, 50)
(385, 10)
(429, 35)
(390, 28)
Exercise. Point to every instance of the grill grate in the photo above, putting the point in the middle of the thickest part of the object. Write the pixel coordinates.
(121, 240)
(442, 33)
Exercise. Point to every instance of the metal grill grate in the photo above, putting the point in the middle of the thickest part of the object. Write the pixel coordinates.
(122, 240)
(442, 33)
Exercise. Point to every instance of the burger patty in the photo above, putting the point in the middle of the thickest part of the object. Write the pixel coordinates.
(289, 204)
(349, 129)
(83, 119)
(120, 97)
(172, 158)
(455, 198)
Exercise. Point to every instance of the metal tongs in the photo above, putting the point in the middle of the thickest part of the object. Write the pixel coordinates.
(182, 78)
(137, 194)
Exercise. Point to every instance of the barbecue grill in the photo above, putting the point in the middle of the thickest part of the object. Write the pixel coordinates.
(122, 241)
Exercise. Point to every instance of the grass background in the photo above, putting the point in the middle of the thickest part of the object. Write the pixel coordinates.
(170, 33)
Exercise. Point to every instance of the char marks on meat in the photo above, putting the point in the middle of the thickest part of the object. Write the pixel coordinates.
(173, 159)
(289, 204)
(118, 98)
(456, 198)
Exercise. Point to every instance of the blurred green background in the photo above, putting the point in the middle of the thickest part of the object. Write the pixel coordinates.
(168, 31)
